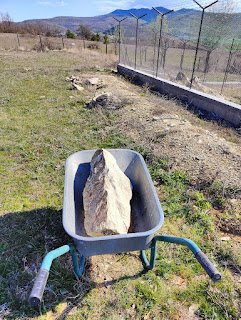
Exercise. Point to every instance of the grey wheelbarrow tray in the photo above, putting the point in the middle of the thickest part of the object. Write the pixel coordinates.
(146, 216)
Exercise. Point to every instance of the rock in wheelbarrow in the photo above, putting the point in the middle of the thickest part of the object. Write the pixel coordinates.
(106, 197)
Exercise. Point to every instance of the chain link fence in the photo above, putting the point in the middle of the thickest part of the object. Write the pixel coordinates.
(28, 42)
(168, 46)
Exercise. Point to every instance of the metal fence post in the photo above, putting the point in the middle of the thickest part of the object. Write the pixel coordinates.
(41, 44)
(119, 21)
(160, 35)
(228, 65)
(137, 20)
(199, 36)
(18, 40)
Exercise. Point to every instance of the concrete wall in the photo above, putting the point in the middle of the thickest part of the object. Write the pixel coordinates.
(224, 109)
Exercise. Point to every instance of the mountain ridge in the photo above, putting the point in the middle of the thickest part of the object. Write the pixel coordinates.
(102, 23)
(184, 23)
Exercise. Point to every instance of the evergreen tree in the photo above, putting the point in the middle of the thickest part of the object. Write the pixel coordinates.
(70, 34)
(106, 40)
(93, 37)
(97, 36)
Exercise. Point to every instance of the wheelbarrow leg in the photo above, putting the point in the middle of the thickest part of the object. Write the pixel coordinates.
(207, 265)
(78, 268)
(149, 265)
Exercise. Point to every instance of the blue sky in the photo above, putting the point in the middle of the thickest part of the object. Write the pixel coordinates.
(20, 10)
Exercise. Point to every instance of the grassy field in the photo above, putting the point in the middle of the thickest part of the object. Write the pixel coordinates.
(145, 56)
(43, 121)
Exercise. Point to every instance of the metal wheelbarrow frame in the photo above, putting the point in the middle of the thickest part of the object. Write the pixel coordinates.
(146, 214)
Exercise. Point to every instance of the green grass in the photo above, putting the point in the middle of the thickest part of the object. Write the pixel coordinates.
(42, 123)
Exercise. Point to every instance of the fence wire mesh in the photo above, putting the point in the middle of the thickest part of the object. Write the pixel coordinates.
(218, 59)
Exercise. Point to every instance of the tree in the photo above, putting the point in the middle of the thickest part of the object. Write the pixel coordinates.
(7, 24)
(48, 33)
(165, 47)
(165, 43)
(154, 27)
(55, 31)
(70, 34)
(114, 33)
(217, 25)
(93, 37)
(97, 36)
(84, 32)
(106, 41)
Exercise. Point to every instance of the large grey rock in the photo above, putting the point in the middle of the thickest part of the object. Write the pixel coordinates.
(94, 82)
(105, 101)
(106, 197)
(181, 76)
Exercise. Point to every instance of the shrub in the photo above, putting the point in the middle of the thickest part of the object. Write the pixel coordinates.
(93, 46)
(70, 34)
(47, 45)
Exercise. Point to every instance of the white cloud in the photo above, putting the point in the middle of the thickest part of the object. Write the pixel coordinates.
(45, 3)
(61, 3)
(109, 5)
(140, 7)
(53, 4)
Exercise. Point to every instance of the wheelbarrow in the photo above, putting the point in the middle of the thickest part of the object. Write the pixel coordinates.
(146, 215)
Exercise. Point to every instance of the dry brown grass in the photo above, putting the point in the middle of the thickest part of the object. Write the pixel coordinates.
(9, 41)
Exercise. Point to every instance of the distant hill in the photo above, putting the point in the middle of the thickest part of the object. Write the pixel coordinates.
(183, 23)
(105, 22)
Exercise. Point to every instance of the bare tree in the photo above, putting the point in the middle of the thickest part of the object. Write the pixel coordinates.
(165, 47)
(84, 32)
(165, 42)
(217, 25)
(154, 27)
(7, 24)
(114, 36)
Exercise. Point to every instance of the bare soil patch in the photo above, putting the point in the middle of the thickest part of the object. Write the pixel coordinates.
(208, 151)
(202, 148)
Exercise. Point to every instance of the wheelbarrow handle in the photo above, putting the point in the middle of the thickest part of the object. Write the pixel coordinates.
(42, 277)
(38, 288)
(207, 265)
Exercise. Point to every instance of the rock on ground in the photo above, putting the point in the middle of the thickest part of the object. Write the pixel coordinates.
(106, 101)
(77, 87)
(106, 197)
(181, 76)
(94, 82)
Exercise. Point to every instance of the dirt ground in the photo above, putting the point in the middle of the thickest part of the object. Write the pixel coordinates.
(203, 148)
(208, 151)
